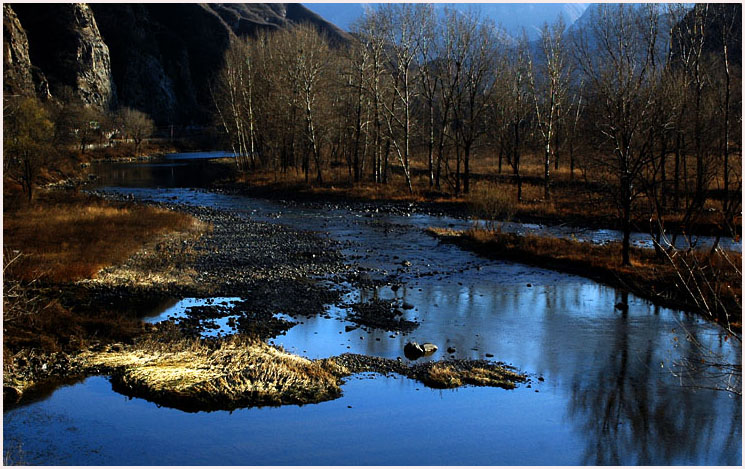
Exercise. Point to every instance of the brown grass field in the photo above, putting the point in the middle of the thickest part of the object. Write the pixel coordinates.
(575, 199)
(61, 238)
(65, 236)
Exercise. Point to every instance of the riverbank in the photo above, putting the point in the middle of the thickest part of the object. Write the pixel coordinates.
(125, 269)
(63, 238)
(571, 204)
(710, 286)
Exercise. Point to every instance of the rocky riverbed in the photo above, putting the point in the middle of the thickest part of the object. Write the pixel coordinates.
(273, 269)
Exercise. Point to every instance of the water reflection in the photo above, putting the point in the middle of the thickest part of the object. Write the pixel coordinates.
(631, 414)
(173, 173)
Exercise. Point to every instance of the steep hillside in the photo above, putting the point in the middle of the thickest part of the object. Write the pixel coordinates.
(158, 58)
(65, 44)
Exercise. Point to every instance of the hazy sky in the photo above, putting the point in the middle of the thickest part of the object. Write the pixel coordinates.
(512, 16)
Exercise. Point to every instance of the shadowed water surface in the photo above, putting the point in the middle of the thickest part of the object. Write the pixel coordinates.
(608, 395)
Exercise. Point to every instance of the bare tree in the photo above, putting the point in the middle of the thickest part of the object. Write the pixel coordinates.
(449, 72)
(478, 44)
(729, 107)
(403, 27)
(430, 81)
(371, 31)
(511, 98)
(620, 64)
(304, 57)
(549, 83)
(357, 73)
(136, 125)
(574, 109)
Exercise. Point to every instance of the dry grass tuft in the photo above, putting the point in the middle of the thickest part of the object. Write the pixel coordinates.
(444, 375)
(491, 202)
(192, 374)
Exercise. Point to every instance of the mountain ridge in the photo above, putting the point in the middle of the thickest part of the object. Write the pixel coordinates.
(157, 58)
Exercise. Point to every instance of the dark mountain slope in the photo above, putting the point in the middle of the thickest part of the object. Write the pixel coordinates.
(65, 44)
(158, 58)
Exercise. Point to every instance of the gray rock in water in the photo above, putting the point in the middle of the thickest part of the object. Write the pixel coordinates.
(413, 350)
(429, 349)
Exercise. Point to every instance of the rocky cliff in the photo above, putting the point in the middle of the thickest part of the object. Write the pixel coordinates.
(158, 58)
(66, 46)
(16, 61)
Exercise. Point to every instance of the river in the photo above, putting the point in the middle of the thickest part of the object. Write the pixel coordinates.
(609, 390)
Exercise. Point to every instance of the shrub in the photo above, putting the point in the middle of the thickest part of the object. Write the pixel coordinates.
(491, 203)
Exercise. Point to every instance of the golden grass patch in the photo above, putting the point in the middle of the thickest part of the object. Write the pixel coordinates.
(196, 375)
(444, 375)
(68, 237)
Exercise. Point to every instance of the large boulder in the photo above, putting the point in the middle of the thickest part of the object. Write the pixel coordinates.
(413, 350)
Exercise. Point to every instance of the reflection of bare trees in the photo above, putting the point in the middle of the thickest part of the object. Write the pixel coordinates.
(704, 368)
(613, 364)
(632, 414)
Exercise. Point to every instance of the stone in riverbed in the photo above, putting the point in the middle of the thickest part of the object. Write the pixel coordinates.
(413, 350)
(429, 349)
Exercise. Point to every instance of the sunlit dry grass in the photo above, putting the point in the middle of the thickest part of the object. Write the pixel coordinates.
(71, 237)
(445, 375)
(237, 371)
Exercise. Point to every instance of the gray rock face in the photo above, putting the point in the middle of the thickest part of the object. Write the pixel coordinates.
(93, 79)
(66, 46)
(16, 62)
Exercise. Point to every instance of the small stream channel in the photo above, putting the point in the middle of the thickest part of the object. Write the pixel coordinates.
(610, 392)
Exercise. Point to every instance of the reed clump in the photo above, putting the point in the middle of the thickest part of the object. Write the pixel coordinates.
(194, 374)
(445, 375)
(492, 203)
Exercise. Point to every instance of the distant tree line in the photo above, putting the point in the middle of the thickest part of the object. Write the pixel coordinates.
(629, 101)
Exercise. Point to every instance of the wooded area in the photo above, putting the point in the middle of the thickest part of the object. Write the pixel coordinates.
(640, 105)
